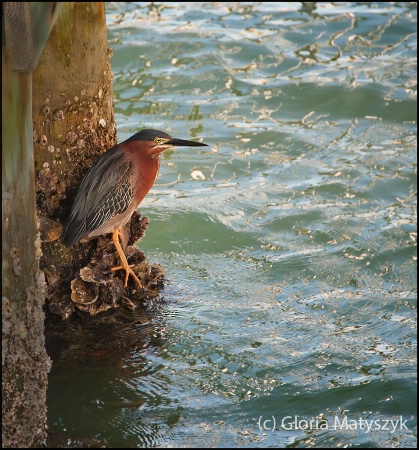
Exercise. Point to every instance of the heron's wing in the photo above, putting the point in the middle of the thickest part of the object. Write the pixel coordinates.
(105, 191)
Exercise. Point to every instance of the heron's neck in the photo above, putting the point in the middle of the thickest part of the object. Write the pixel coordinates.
(146, 177)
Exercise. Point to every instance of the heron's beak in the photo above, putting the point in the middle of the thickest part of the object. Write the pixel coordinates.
(183, 143)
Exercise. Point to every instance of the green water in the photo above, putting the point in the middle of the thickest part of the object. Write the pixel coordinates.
(289, 243)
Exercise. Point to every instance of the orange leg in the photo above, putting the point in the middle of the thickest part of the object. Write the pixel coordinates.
(125, 265)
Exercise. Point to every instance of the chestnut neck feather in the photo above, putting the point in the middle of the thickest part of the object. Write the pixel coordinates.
(145, 168)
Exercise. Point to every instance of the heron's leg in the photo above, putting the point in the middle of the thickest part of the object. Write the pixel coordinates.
(125, 265)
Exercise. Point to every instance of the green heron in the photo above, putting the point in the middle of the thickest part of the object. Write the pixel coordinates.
(114, 187)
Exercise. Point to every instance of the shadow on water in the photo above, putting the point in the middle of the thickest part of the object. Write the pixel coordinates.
(98, 362)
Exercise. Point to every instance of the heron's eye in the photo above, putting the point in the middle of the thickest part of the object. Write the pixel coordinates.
(158, 140)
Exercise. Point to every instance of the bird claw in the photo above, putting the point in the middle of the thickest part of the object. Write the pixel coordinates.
(128, 271)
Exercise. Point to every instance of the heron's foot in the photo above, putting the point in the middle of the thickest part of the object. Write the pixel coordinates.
(128, 272)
